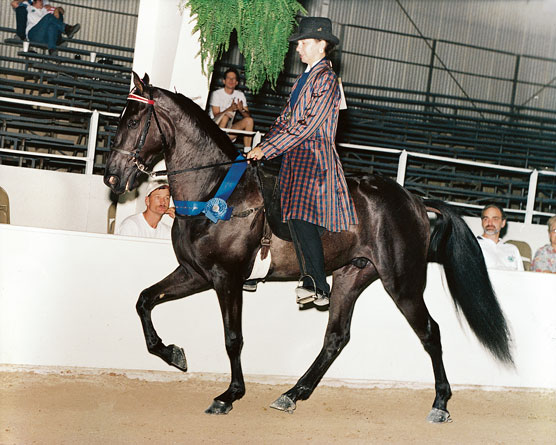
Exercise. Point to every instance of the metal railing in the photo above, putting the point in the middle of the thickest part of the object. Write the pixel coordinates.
(403, 157)
(91, 140)
(529, 211)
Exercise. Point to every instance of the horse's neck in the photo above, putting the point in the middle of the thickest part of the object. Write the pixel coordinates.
(198, 185)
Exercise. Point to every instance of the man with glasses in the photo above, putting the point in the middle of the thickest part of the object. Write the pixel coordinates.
(497, 254)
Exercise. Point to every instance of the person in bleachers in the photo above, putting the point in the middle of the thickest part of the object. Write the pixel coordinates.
(545, 258)
(21, 18)
(226, 102)
(148, 224)
(45, 23)
(497, 254)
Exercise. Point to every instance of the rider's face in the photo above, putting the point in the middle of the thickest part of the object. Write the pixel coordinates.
(310, 50)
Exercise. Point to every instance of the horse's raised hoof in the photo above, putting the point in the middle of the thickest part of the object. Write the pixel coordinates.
(284, 403)
(439, 416)
(178, 358)
(219, 407)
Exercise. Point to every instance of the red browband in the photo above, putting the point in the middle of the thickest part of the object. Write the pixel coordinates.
(140, 99)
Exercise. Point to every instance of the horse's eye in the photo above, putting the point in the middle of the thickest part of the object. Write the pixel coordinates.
(132, 123)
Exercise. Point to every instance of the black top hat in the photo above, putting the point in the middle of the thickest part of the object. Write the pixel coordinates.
(319, 28)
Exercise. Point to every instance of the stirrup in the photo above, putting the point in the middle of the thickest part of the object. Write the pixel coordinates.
(250, 285)
(304, 294)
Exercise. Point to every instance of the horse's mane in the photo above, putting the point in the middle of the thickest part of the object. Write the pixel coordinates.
(206, 126)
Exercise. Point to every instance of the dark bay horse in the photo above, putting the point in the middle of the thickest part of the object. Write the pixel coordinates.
(393, 242)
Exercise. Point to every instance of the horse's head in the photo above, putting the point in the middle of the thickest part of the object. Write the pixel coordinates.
(138, 138)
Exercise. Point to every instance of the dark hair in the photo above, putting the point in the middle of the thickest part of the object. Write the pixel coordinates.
(329, 48)
(231, 70)
(494, 206)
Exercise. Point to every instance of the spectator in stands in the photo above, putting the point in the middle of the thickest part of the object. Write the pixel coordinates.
(45, 23)
(497, 254)
(226, 102)
(21, 18)
(545, 258)
(148, 224)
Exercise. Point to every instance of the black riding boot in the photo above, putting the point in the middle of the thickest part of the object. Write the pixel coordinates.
(310, 255)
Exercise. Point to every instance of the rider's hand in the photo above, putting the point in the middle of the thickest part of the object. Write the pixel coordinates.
(171, 212)
(255, 154)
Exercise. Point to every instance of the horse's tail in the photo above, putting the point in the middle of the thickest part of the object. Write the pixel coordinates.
(455, 247)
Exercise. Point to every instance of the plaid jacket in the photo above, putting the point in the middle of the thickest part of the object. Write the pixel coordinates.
(312, 183)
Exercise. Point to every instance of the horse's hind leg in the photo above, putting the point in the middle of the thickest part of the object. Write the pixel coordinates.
(180, 283)
(408, 296)
(348, 283)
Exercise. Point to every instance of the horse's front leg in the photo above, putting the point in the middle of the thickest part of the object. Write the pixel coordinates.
(180, 283)
(229, 290)
(348, 283)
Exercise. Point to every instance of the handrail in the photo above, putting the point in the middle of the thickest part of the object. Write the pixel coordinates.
(402, 161)
(529, 211)
(54, 106)
(89, 159)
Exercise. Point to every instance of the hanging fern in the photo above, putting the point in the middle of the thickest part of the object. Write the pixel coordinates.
(262, 28)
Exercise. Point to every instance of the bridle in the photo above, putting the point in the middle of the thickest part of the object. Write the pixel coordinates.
(214, 209)
(139, 161)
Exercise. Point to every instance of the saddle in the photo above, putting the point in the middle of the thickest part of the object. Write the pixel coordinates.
(270, 188)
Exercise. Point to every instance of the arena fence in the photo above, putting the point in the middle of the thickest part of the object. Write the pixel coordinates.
(89, 157)
(403, 157)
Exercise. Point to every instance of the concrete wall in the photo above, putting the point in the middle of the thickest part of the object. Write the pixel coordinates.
(54, 200)
(68, 299)
(68, 201)
(166, 49)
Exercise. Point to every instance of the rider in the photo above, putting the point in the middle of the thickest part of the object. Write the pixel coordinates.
(313, 189)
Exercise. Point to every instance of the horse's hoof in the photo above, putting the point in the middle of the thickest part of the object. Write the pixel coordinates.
(219, 407)
(178, 358)
(439, 416)
(284, 403)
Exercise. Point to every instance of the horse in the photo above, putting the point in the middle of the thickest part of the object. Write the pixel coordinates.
(393, 242)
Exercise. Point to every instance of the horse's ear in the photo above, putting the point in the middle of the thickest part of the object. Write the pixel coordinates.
(138, 82)
(146, 79)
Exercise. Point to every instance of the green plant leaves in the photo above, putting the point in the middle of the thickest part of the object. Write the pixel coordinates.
(262, 28)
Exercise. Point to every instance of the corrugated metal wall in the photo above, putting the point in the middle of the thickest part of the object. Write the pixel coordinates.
(395, 56)
(514, 26)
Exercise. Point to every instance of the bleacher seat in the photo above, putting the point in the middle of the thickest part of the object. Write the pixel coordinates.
(4, 207)
(525, 252)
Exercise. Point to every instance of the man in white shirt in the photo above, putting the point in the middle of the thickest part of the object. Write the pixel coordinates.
(497, 254)
(226, 102)
(148, 224)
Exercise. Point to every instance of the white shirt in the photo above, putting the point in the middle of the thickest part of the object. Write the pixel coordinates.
(137, 225)
(219, 98)
(35, 15)
(500, 255)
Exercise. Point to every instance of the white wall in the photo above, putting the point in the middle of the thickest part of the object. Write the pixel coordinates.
(70, 201)
(68, 299)
(54, 200)
(167, 51)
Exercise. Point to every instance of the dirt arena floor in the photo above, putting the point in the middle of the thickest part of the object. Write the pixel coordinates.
(72, 407)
